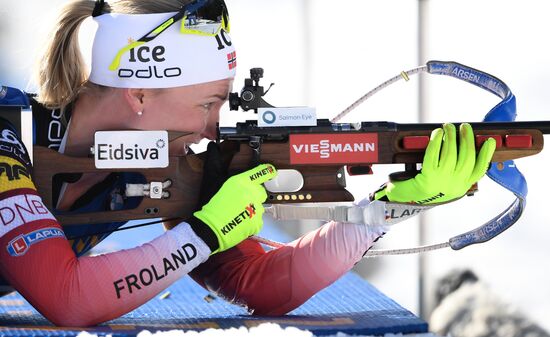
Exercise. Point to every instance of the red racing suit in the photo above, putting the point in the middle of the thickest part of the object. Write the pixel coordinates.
(71, 290)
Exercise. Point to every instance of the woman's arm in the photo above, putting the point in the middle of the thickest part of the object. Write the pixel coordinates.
(38, 261)
(278, 281)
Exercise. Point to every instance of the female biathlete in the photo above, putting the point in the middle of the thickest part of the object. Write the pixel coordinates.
(168, 65)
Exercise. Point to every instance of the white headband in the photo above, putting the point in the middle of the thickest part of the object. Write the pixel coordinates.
(171, 59)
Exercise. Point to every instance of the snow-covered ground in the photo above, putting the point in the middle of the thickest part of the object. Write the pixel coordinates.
(262, 330)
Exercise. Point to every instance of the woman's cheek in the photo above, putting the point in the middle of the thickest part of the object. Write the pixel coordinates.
(194, 123)
(177, 147)
(196, 126)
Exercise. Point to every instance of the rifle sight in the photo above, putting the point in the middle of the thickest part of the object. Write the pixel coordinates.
(251, 93)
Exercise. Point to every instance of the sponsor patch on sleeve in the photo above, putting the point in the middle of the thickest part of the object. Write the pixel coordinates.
(13, 175)
(21, 209)
(21, 243)
(11, 147)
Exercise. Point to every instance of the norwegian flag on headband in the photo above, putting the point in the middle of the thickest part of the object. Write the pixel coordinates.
(232, 60)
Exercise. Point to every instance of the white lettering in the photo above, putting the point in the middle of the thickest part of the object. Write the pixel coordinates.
(466, 75)
(9, 136)
(298, 148)
(314, 148)
(336, 147)
(55, 129)
(14, 151)
(325, 148)
(18, 246)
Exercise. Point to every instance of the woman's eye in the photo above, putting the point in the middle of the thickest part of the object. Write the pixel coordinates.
(207, 106)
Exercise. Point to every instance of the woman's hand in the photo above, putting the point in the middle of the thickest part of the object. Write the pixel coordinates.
(235, 212)
(445, 175)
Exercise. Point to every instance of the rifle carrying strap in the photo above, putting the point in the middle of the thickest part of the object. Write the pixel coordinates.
(505, 174)
(374, 213)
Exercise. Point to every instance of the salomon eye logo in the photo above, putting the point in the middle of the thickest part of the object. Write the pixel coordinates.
(269, 117)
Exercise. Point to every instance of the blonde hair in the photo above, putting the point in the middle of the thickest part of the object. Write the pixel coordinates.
(61, 72)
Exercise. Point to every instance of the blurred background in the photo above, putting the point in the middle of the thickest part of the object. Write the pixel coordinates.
(326, 54)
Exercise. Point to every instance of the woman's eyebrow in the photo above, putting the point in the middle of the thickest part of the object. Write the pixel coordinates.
(222, 97)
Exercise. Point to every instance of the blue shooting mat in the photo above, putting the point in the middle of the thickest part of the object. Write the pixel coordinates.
(350, 305)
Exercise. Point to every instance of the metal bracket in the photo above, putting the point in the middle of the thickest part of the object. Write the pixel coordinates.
(153, 190)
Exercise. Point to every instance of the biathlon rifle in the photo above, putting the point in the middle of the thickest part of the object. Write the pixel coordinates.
(312, 159)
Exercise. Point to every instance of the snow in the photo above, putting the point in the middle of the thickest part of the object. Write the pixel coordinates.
(262, 330)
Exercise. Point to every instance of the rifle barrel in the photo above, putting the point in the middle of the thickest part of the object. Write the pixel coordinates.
(542, 126)
(250, 128)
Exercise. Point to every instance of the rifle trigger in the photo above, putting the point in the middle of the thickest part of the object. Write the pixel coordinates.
(410, 172)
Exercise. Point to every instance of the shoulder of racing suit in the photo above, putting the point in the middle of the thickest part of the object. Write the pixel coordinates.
(49, 128)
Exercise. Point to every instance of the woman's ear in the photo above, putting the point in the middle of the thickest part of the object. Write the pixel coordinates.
(134, 98)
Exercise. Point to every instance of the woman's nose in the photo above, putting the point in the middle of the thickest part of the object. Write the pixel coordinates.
(210, 132)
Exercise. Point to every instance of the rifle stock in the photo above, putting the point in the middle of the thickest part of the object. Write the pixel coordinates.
(247, 145)
(185, 173)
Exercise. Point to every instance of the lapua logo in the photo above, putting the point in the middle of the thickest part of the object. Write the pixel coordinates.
(21, 244)
(131, 149)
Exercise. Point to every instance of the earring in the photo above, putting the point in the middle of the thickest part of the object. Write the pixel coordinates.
(140, 113)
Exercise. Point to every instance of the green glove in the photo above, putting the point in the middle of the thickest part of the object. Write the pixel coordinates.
(235, 212)
(444, 176)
